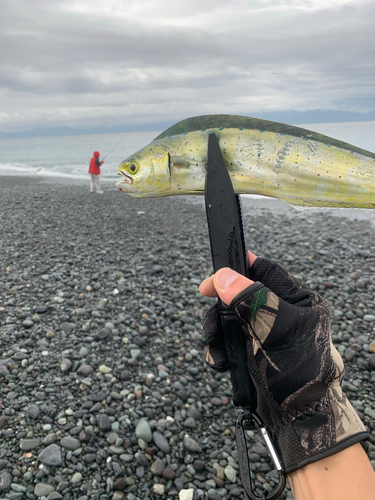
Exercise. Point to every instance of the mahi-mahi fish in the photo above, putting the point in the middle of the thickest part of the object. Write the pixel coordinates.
(266, 158)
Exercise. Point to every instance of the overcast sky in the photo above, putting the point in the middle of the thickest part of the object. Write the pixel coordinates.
(113, 62)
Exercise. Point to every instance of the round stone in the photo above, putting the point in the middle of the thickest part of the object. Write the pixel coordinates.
(120, 484)
(135, 353)
(65, 365)
(85, 370)
(33, 411)
(187, 494)
(29, 444)
(105, 369)
(103, 334)
(66, 327)
(5, 480)
(104, 422)
(349, 354)
(191, 445)
(143, 431)
(157, 467)
(161, 442)
(76, 478)
(230, 473)
(159, 489)
(70, 443)
(169, 473)
(371, 362)
(43, 489)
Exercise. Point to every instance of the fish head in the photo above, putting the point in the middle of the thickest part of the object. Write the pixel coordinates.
(146, 174)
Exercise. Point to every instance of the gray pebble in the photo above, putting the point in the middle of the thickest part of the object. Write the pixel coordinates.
(33, 411)
(85, 370)
(103, 334)
(371, 362)
(260, 449)
(19, 488)
(161, 442)
(70, 443)
(29, 444)
(157, 467)
(66, 365)
(135, 353)
(190, 423)
(43, 489)
(83, 352)
(191, 445)
(50, 455)
(76, 478)
(230, 473)
(66, 327)
(3, 422)
(143, 431)
(5, 480)
(55, 495)
(104, 422)
(349, 354)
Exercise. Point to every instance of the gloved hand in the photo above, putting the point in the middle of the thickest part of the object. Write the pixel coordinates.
(295, 368)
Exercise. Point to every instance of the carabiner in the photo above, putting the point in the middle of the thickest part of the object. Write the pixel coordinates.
(245, 421)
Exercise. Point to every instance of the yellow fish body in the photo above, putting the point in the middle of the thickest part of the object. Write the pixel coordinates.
(266, 158)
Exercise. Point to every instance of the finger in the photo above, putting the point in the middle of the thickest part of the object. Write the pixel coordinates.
(207, 288)
(251, 258)
(228, 284)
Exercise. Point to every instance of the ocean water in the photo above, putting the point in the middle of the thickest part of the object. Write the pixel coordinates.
(69, 156)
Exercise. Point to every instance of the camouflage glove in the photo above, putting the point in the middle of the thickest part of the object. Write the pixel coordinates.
(295, 368)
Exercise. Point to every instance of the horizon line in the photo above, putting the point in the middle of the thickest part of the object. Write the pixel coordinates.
(295, 118)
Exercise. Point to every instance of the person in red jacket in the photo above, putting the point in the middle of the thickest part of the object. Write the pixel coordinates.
(94, 170)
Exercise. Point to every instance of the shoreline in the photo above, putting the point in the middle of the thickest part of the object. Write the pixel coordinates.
(249, 202)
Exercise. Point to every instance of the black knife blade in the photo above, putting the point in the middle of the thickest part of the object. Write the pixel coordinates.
(224, 219)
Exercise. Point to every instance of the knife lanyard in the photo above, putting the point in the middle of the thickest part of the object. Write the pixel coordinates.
(224, 219)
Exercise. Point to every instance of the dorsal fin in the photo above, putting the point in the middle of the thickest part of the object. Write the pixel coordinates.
(246, 122)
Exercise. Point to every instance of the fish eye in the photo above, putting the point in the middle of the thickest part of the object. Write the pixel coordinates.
(133, 168)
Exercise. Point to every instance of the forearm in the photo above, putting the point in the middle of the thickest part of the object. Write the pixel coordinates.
(347, 475)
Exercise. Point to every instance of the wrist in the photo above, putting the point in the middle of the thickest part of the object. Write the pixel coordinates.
(346, 475)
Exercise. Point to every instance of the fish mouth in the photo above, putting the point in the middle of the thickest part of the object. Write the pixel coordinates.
(125, 183)
(127, 179)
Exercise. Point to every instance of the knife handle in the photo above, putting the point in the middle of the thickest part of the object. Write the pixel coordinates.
(244, 393)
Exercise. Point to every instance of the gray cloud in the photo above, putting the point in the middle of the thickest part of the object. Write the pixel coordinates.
(68, 63)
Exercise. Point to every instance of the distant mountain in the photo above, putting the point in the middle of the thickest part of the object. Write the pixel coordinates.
(61, 131)
(290, 117)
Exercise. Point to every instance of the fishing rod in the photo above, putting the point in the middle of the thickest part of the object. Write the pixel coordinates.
(115, 146)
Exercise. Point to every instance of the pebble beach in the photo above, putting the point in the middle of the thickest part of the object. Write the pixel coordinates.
(103, 389)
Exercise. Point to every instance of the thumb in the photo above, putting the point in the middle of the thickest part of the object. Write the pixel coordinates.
(228, 284)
